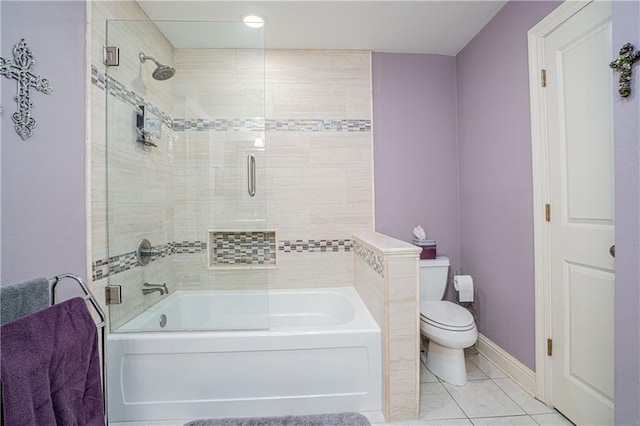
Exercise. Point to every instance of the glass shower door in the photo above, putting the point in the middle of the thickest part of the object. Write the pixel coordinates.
(186, 171)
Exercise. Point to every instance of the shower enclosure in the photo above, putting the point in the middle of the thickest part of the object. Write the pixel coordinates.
(197, 332)
(186, 168)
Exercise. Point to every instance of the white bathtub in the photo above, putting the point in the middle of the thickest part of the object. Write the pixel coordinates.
(320, 354)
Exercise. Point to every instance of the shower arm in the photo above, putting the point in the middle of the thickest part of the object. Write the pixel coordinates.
(144, 57)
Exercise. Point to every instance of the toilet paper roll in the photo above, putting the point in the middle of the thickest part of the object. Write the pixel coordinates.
(464, 285)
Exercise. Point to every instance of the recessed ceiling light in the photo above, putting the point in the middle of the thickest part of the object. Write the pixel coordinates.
(253, 21)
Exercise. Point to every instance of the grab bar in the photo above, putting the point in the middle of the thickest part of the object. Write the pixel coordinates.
(251, 175)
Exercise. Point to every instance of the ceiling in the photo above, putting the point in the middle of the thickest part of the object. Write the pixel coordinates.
(440, 27)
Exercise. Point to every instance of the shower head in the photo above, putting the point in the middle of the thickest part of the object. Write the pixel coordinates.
(162, 72)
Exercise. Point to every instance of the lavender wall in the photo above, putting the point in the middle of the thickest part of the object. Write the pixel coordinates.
(415, 153)
(494, 137)
(626, 28)
(43, 178)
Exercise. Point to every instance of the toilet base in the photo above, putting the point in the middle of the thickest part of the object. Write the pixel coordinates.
(447, 364)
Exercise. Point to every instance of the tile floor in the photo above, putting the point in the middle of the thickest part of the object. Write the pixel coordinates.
(490, 398)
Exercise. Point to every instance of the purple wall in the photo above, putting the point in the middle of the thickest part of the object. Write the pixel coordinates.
(43, 178)
(494, 137)
(626, 28)
(415, 153)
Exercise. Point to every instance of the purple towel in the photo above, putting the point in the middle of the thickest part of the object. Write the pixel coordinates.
(50, 368)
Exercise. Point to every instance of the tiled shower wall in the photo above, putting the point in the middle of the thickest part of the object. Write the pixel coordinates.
(140, 180)
(314, 188)
(314, 184)
(320, 172)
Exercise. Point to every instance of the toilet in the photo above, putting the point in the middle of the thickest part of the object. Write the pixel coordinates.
(449, 327)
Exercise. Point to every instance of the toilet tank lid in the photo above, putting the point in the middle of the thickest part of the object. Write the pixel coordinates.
(438, 261)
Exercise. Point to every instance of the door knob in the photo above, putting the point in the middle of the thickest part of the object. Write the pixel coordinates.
(612, 250)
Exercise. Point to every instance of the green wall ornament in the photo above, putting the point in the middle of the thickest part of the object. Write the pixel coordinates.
(624, 65)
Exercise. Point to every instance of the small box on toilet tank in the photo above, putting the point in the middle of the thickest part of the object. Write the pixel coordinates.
(428, 248)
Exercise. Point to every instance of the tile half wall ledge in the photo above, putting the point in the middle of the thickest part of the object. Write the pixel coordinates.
(386, 245)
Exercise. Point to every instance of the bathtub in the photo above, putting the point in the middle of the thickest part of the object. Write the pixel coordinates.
(315, 351)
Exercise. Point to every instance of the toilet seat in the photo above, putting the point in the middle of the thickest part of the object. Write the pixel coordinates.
(446, 316)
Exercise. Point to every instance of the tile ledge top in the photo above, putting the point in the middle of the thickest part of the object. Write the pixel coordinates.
(386, 245)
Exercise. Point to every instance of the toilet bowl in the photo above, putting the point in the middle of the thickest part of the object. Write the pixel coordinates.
(450, 328)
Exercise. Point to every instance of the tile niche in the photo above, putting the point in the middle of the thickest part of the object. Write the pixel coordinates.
(241, 249)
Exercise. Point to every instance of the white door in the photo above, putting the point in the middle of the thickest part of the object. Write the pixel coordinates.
(581, 182)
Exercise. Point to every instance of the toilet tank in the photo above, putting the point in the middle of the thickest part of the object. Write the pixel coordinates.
(433, 278)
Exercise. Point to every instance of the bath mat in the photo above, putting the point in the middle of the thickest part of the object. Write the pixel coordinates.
(338, 419)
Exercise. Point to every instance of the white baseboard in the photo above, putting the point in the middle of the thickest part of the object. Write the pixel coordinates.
(519, 372)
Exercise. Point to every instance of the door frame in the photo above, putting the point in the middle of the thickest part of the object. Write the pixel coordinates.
(541, 191)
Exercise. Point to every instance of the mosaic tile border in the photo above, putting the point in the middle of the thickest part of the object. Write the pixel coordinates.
(271, 125)
(318, 125)
(314, 246)
(97, 78)
(219, 124)
(103, 268)
(190, 247)
(240, 248)
(100, 269)
(370, 257)
(121, 92)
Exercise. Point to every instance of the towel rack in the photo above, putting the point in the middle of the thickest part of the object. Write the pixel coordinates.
(88, 297)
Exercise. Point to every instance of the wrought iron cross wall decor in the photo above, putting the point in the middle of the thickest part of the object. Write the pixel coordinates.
(20, 70)
(624, 64)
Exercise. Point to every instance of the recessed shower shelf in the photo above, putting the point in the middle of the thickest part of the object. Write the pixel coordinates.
(242, 249)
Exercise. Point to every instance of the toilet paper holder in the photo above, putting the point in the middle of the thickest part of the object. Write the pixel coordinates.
(469, 305)
(459, 271)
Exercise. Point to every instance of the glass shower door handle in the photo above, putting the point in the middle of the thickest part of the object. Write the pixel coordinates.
(251, 175)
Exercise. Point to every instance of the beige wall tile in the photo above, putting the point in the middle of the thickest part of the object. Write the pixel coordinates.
(286, 66)
(310, 101)
(318, 84)
(404, 372)
(103, 10)
(286, 150)
(98, 290)
(339, 148)
(404, 267)
(291, 219)
(403, 315)
(370, 287)
(360, 186)
(347, 66)
(308, 270)
(358, 98)
(339, 219)
(403, 348)
(132, 301)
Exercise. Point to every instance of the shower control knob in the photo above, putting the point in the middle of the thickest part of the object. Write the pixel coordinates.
(144, 252)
